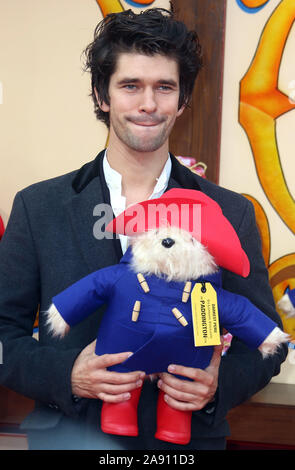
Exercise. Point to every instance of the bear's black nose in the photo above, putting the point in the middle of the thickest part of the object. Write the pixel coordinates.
(168, 242)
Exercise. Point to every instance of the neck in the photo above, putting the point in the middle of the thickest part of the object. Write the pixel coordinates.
(139, 170)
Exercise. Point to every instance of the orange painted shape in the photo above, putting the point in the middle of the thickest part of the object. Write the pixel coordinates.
(144, 2)
(110, 6)
(262, 75)
(115, 6)
(261, 131)
(254, 3)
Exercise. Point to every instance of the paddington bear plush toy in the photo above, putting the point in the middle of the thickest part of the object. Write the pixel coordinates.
(165, 300)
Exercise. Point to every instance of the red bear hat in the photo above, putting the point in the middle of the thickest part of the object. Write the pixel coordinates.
(193, 211)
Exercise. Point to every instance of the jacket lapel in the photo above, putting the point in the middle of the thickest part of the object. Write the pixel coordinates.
(182, 177)
(86, 213)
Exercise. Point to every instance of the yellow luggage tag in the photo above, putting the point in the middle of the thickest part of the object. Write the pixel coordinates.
(205, 315)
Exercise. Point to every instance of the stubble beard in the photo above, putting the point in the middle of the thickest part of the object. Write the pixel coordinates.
(143, 143)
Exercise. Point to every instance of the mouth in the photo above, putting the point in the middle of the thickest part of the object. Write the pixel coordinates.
(145, 123)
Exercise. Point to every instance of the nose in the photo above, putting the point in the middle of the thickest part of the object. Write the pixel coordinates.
(148, 102)
(168, 242)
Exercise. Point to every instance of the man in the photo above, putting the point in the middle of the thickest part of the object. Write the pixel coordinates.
(143, 69)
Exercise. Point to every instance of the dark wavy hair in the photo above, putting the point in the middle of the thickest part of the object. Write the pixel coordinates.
(153, 31)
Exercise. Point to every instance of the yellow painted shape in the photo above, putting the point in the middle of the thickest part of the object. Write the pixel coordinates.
(254, 3)
(261, 103)
(115, 6)
(144, 2)
(110, 6)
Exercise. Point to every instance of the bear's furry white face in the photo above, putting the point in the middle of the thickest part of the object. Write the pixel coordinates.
(171, 253)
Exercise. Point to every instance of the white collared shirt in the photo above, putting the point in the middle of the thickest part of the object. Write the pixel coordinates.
(118, 202)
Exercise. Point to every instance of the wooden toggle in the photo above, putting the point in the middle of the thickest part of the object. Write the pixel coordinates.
(143, 282)
(186, 291)
(136, 310)
(178, 315)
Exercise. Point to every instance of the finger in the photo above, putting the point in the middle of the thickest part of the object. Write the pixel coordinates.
(90, 349)
(216, 357)
(198, 375)
(109, 398)
(108, 360)
(179, 395)
(117, 378)
(179, 405)
(120, 389)
(184, 386)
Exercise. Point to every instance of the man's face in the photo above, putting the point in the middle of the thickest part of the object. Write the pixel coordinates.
(143, 95)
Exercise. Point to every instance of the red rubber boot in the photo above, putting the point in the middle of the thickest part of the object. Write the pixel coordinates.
(172, 425)
(121, 418)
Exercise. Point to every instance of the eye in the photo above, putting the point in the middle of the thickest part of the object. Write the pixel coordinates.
(128, 86)
(168, 242)
(165, 88)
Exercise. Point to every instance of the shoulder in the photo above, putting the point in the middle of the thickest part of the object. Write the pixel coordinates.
(230, 201)
(235, 206)
(44, 202)
(61, 188)
(42, 199)
(51, 189)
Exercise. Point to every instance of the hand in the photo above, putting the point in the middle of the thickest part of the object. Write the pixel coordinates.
(191, 395)
(91, 379)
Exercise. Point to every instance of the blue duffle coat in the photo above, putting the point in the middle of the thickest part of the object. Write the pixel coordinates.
(157, 339)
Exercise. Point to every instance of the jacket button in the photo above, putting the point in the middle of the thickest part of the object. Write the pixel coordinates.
(75, 398)
(53, 406)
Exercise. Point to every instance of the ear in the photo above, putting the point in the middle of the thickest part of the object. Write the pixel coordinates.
(180, 111)
(103, 106)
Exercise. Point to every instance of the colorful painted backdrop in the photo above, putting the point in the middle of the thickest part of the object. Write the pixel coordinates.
(257, 156)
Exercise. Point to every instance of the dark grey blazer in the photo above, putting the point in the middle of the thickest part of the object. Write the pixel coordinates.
(49, 244)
